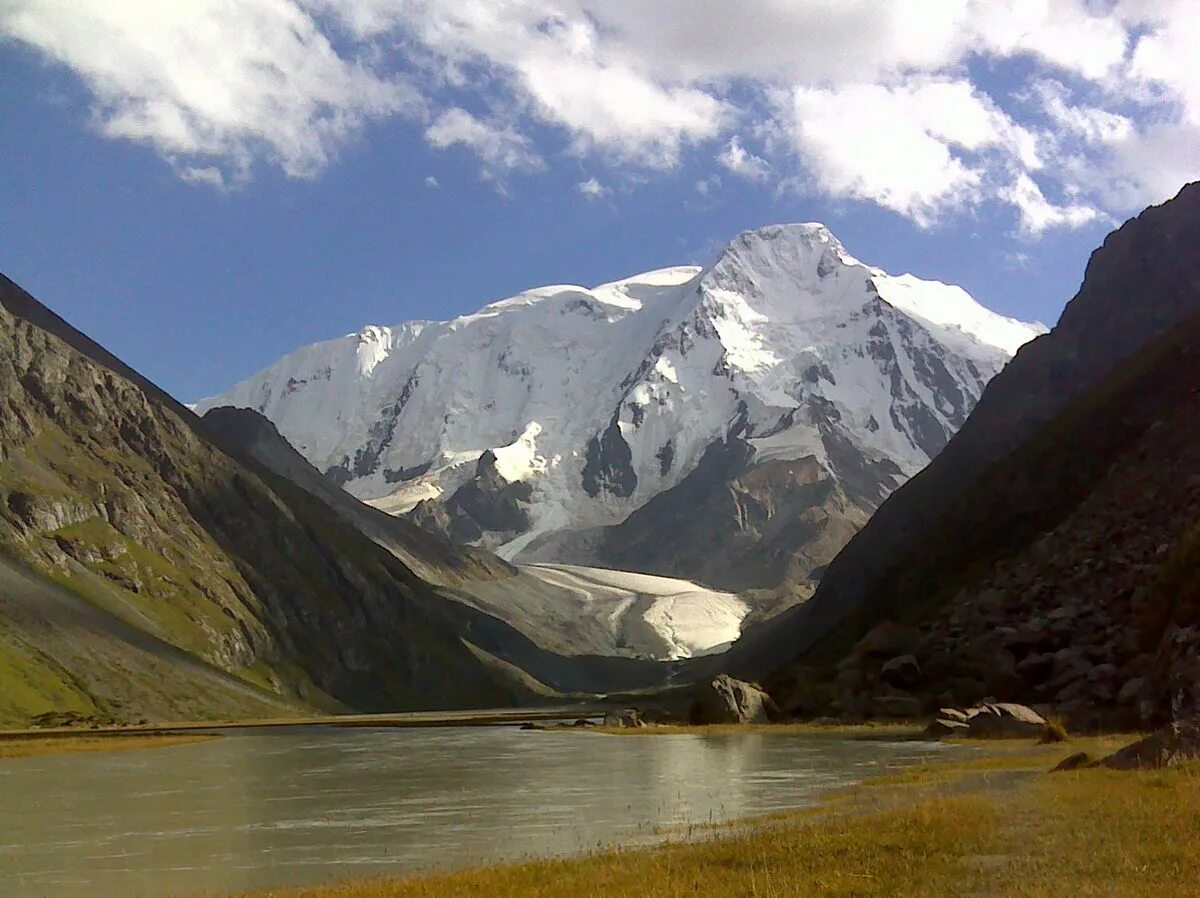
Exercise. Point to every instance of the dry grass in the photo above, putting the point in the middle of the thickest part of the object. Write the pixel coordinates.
(913, 851)
(57, 745)
(965, 826)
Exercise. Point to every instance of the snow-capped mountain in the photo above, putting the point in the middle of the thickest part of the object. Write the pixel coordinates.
(566, 409)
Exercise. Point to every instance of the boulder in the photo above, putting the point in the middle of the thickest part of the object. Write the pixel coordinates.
(996, 720)
(943, 727)
(1073, 762)
(726, 700)
(903, 672)
(627, 719)
(1130, 691)
(1036, 667)
(1175, 744)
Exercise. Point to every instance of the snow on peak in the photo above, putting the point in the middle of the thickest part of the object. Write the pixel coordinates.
(601, 398)
(950, 306)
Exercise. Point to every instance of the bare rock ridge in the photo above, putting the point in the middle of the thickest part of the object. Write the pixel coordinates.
(758, 410)
(1047, 555)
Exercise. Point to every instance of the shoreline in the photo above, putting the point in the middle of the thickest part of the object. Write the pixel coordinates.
(492, 717)
(993, 822)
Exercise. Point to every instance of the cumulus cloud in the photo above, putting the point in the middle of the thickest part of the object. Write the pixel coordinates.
(432, 183)
(917, 148)
(211, 84)
(868, 100)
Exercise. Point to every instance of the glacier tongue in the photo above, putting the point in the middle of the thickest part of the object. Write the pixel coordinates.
(601, 399)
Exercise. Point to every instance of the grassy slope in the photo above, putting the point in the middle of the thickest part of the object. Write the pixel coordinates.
(109, 489)
(996, 826)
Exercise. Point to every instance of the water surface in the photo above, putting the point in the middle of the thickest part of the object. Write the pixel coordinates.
(305, 805)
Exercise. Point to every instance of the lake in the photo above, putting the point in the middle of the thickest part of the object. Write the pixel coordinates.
(305, 805)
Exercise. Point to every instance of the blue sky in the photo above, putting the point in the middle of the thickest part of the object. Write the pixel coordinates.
(203, 219)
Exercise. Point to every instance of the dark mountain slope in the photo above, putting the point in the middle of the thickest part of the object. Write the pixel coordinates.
(436, 560)
(1062, 573)
(109, 488)
(1141, 282)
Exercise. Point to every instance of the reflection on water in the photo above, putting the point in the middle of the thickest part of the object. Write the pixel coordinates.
(308, 804)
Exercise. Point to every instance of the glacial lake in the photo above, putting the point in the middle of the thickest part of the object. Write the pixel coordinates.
(305, 805)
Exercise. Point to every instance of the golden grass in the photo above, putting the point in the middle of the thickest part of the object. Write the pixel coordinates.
(964, 826)
(57, 745)
(912, 851)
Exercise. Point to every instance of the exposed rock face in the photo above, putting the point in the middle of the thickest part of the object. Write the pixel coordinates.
(113, 490)
(735, 523)
(726, 700)
(1059, 574)
(486, 510)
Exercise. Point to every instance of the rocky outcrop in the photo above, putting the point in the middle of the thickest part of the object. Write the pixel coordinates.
(486, 510)
(726, 700)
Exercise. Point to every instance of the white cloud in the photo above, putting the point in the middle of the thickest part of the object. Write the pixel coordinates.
(432, 183)
(211, 84)
(915, 148)
(1038, 213)
(591, 189)
(871, 100)
(501, 149)
(737, 159)
(1089, 123)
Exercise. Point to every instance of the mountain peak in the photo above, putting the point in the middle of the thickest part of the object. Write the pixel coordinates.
(594, 401)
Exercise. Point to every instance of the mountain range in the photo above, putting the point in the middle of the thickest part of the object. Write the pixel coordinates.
(1030, 525)
(732, 425)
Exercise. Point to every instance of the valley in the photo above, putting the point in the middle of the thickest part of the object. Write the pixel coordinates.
(868, 515)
